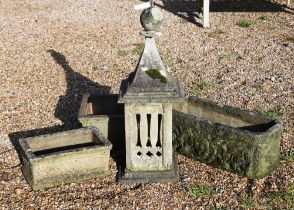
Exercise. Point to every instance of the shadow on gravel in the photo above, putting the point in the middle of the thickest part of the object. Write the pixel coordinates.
(185, 9)
(247, 6)
(188, 10)
(77, 85)
(68, 105)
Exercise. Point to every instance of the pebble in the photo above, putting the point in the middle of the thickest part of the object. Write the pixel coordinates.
(18, 191)
(5, 177)
(186, 179)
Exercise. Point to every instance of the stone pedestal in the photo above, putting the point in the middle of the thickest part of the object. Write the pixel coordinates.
(148, 95)
(131, 176)
(149, 136)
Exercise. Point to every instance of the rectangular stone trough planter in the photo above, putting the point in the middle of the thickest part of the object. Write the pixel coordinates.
(64, 157)
(107, 115)
(236, 140)
(232, 139)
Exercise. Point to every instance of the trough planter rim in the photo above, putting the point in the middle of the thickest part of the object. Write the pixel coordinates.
(277, 123)
(100, 115)
(223, 126)
(83, 107)
(29, 154)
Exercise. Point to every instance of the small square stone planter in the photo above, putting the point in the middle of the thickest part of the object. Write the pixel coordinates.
(103, 112)
(236, 140)
(64, 157)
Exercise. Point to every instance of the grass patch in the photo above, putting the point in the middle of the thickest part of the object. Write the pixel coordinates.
(289, 39)
(289, 156)
(139, 47)
(225, 56)
(273, 198)
(284, 197)
(247, 201)
(199, 87)
(95, 66)
(216, 33)
(195, 58)
(155, 74)
(199, 190)
(289, 196)
(122, 53)
(257, 87)
(264, 17)
(168, 61)
(248, 50)
(184, 20)
(188, 69)
(245, 23)
(272, 113)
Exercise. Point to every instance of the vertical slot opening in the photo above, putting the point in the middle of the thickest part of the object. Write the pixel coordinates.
(89, 108)
(158, 143)
(138, 118)
(148, 128)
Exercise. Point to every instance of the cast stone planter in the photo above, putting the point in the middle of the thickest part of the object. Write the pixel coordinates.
(107, 115)
(236, 140)
(64, 157)
(232, 139)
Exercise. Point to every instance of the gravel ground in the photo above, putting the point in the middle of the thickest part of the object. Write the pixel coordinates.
(52, 52)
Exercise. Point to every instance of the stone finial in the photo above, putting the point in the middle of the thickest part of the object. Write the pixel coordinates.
(150, 82)
(151, 19)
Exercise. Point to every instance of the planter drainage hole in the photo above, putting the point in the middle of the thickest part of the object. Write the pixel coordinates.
(139, 153)
(158, 154)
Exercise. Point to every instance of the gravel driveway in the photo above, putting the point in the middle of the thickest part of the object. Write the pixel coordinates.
(52, 52)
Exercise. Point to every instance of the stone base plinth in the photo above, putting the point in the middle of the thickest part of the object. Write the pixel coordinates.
(172, 175)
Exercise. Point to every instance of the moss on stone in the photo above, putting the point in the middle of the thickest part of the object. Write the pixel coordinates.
(155, 74)
(232, 149)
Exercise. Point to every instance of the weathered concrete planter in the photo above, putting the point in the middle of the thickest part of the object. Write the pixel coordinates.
(232, 139)
(107, 115)
(65, 157)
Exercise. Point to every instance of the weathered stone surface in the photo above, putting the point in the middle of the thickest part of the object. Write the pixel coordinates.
(150, 82)
(148, 137)
(171, 175)
(107, 115)
(147, 95)
(151, 19)
(232, 139)
(65, 157)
